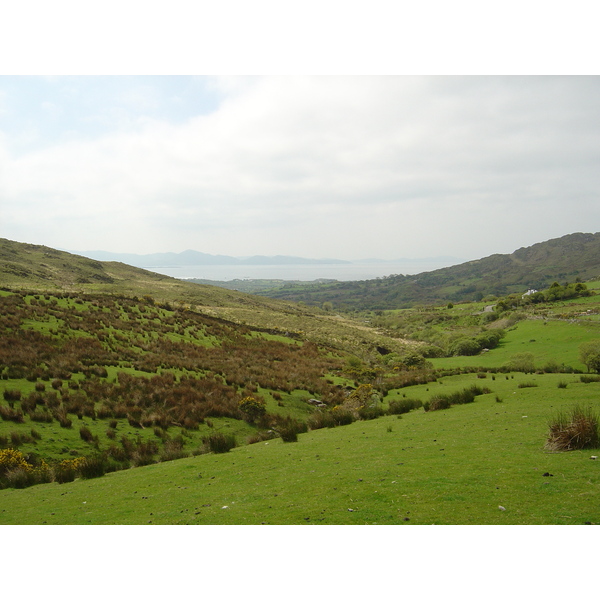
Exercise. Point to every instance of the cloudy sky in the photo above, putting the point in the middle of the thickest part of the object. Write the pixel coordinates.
(343, 167)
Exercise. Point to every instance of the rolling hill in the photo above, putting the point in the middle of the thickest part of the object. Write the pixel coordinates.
(104, 367)
(572, 256)
(42, 269)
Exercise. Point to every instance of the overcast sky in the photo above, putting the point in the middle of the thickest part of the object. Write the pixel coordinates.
(340, 167)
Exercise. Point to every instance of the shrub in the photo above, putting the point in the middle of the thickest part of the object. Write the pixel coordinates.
(341, 416)
(19, 478)
(320, 420)
(219, 443)
(466, 396)
(11, 459)
(41, 416)
(92, 466)
(437, 403)
(527, 384)
(289, 434)
(10, 414)
(252, 407)
(12, 395)
(576, 429)
(85, 434)
(143, 454)
(66, 470)
(261, 436)
(172, 450)
(522, 361)
(589, 354)
(366, 413)
(399, 407)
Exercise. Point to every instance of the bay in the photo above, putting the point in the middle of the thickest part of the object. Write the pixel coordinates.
(309, 272)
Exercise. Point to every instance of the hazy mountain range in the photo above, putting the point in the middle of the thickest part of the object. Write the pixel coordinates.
(194, 258)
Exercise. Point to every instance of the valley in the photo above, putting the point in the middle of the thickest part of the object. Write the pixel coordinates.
(128, 397)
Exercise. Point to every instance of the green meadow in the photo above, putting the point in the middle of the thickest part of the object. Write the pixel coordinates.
(166, 403)
(478, 463)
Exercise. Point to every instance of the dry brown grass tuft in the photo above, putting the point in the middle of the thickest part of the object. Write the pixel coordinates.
(574, 430)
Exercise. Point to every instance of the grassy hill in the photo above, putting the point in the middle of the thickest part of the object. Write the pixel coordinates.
(41, 269)
(566, 258)
(457, 466)
(136, 370)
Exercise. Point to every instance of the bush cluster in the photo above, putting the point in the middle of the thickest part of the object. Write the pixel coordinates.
(465, 396)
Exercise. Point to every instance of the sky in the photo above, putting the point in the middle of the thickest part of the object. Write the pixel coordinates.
(345, 167)
(388, 159)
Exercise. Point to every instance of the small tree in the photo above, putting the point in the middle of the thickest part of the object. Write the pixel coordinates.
(589, 353)
(522, 361)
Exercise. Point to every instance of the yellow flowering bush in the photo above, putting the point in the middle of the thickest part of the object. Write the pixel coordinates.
(16, 472)
(11, 459)
(252, 407)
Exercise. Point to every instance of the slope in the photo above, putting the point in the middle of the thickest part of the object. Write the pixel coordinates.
(38, 268)
(572, 256)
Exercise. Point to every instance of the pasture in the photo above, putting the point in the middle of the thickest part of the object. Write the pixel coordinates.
(478, 463)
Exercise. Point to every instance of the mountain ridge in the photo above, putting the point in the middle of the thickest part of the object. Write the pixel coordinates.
(572, 256)
(195, 258)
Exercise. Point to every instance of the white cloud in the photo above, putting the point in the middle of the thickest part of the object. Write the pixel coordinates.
(336, 166)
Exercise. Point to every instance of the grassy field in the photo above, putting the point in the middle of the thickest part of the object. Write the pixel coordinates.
(547, 341)
(455, 466)
(144, 371)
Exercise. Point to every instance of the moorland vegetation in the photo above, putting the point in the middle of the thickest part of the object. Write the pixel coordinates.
(95, 381)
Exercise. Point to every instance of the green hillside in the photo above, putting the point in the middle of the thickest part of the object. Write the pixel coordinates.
(481, 463)
(139, 399)
(41, 269)
(566, 258)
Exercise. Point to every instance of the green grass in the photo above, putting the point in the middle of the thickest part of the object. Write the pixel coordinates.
(555, 340)
(455, 466)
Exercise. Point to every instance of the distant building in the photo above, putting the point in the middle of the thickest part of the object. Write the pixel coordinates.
(528, 293)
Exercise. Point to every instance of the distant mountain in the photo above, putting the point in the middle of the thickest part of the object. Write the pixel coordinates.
(572, 256)
(194, 258)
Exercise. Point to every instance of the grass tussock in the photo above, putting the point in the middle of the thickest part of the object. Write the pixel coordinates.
(575, 429)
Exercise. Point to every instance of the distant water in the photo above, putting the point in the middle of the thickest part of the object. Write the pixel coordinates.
(340, 272)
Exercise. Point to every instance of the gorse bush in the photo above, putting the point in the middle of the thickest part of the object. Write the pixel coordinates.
(17, 472)
(66, 470)
(252, 407)
(576, 429)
